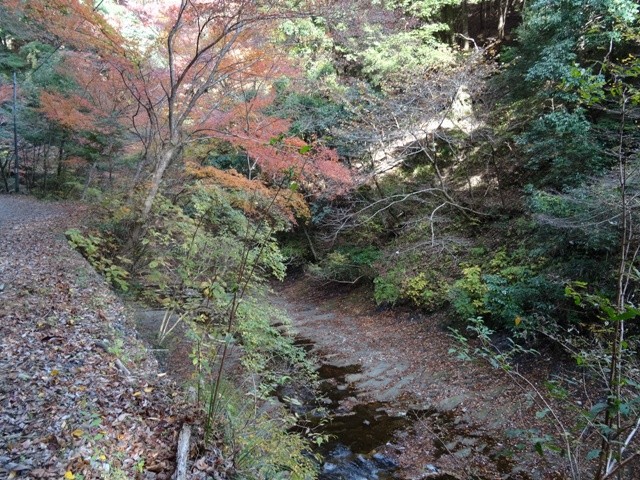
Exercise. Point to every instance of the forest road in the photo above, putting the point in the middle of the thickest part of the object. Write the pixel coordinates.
(21, 209)
(64, 397)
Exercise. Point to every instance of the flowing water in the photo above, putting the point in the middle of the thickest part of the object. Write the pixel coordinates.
(362, 443)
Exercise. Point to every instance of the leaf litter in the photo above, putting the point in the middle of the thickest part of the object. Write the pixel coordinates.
(67, 409)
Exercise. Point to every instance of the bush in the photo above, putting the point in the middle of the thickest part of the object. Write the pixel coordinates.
(509, 296)
(387, 287)
(426, 291)
(467, 294)
(347, 264)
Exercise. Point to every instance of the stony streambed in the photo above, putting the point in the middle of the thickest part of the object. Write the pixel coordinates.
(394, 414)
(403, 407)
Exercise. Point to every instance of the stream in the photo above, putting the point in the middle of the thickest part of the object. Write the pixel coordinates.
(395, 413)
(356, 434)
(361, 445)
(359, 435)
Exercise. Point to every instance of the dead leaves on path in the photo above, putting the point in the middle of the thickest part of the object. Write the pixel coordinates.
(66, 409)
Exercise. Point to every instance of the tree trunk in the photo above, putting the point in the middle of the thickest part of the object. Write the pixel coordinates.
(60, 157)
(464, 7)
(15, 133)
(5, 176)
(45, 167)
(136, 178)
(167, 155)
(503, 9)
(87, 183)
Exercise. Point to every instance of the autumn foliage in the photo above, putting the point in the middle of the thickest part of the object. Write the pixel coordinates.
(199, 70)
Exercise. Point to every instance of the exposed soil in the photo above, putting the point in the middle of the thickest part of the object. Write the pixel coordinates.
(461, 411)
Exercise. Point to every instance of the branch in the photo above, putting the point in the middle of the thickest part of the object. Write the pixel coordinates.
(182, 455)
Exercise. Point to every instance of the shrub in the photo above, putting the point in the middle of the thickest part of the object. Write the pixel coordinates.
(508, 295)
(425, 290)
(387, 287)
(467, 294)
(347, 264)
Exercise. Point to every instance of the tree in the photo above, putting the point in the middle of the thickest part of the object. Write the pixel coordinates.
(559, 42)
(594, 220)
(205, 73)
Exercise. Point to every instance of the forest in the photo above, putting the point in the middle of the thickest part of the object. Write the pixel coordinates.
(469, 165)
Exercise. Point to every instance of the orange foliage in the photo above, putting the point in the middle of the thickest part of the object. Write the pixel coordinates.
(265, 140)
(290, 204)
(71, 111)
(99, 83)
(73, 24)
(100, 102)
(209, 56)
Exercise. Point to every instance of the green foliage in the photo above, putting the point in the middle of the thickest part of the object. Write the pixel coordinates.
(205, 244)
(510, 295)
(468, 293)
(383, 43)
(426, 290)
(586, 430)
(268, 352)
(207, 262)
(347, 264)
(260, 444)
(228, 161)
(557, 34)
(559, 65)
(295, 250)
(561, 149)
(387, 287)
(311, 114)
(93, 247)
(392, 58)
(498, 358)
(575, 222)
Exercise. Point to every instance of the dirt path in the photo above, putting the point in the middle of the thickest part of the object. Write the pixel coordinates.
(465, 409)
(68, 405)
